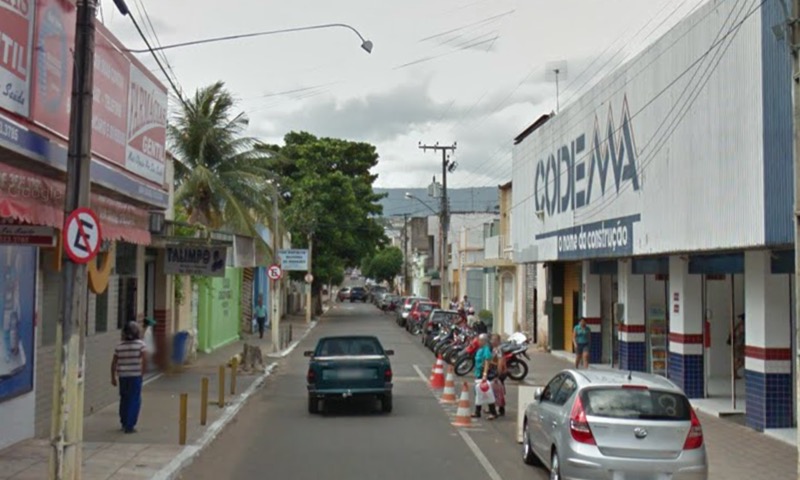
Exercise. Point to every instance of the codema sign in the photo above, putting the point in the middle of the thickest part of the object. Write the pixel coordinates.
(195, 260)
(636, 166)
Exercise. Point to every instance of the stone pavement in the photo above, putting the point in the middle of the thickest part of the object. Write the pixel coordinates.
(735, 452)
(109, 453)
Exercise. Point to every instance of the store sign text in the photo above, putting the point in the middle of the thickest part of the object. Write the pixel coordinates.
(608, 238)
(562, 182)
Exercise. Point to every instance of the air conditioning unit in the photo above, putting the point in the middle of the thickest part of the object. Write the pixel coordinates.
(157, 222)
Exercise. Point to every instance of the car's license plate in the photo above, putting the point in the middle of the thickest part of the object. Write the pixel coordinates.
(352, 374)
(639, 476)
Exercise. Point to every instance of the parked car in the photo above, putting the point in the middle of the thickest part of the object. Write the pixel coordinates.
(358, 294)
(375, 293)
(344, 294)
(344, 367)
(418, 315)
(405, 311)
(600, 424)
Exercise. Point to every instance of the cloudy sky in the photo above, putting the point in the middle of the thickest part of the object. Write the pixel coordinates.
(473, 71)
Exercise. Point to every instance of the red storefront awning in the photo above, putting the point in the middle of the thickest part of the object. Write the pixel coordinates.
(38, 200)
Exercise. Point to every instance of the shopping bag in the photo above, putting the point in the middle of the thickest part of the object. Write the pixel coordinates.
(483, 397)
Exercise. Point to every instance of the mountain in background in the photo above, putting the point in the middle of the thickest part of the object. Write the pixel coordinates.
(480, 199)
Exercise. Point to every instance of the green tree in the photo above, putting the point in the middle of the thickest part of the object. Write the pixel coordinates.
(385, 265)
(329, 196)
(222, 180)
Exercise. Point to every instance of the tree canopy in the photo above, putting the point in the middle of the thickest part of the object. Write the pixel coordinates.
(327, 187)
(385, 265)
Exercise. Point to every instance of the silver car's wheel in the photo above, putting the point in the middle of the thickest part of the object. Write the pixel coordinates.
(527, 452)
(555, 467)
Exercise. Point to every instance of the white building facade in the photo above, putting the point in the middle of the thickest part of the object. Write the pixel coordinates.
(659, 205)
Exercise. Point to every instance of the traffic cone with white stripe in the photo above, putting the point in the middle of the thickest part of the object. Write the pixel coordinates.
(437, 382)
(449, 394)
(433, 370)
(463, 414)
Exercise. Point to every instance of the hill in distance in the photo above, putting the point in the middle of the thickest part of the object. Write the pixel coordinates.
(462, 200)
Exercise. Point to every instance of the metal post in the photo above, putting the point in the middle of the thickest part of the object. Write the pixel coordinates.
(221, 387)
(308, 285)
(234, 371)
(733, 342)
(182, 419)
(276, 284)
(204, 401)
(67, 412)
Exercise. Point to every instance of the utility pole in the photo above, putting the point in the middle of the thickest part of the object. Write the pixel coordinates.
(276, 284)
(405, 254)
(444, 214)
(66, 433)
(794, 36)
(309, 284)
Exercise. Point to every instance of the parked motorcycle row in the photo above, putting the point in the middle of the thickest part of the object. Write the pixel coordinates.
(446, 333)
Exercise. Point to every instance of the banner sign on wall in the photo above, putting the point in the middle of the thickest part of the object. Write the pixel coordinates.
(16, 39)
(607, 238)
(195, 260)
(17, 290)
(129, 111)
(294, 260)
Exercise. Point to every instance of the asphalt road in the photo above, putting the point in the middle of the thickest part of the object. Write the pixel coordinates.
(274, 436)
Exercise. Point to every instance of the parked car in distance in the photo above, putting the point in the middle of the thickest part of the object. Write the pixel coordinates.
(344, 294)
(344, 367)
(418, 314)
(358, 294)
(600, 424)
(375, 293)
(437, 318)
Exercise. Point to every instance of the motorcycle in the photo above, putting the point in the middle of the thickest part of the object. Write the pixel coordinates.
(515, 348)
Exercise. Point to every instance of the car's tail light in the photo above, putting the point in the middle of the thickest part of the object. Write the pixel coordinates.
(311, 376)
(695, 437)
(579, 426)
(387, 375)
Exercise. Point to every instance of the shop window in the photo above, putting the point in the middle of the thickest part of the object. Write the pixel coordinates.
(126, 259)
(126, 303)
(101, 312)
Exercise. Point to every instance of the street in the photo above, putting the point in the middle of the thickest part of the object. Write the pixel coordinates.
(275, 436)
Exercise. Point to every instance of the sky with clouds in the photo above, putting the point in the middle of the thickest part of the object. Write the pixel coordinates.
(473, 71)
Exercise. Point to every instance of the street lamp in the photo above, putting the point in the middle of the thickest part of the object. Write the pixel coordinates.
(410, 196)
(367, 45)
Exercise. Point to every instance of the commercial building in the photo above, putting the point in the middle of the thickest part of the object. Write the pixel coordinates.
(130, 192)
(659, 205)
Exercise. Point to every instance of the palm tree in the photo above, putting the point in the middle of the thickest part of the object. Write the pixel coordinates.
(221, 179)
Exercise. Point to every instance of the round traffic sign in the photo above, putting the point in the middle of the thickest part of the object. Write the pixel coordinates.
(309, 278)
(274, 272)
(81, 235)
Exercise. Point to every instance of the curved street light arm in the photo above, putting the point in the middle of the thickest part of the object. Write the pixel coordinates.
(365, 44)
(420, 201)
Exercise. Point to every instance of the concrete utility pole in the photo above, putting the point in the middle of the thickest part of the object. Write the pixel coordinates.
(405, 254)
(308, 284)
(795, 44)
(66, 433)
(444, 215)
(276, 284)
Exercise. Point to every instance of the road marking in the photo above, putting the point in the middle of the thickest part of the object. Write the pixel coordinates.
(480, 456)
(421, 375)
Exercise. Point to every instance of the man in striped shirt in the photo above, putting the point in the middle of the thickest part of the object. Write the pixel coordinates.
(127, 367)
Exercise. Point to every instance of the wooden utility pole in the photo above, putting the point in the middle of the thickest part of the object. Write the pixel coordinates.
(444, 215)
(66, 433)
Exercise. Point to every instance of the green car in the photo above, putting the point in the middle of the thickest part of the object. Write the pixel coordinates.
(344, 367)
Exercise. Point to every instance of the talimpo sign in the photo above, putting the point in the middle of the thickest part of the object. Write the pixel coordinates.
(653, 160)
(129, 114)
(195, 260)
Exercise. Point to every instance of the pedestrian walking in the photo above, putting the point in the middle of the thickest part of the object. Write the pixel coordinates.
(129, 362)
(581, 337)
(260, 312)
(498, 374)
(484, 396)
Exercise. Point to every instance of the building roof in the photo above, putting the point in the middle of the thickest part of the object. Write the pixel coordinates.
(535, 125)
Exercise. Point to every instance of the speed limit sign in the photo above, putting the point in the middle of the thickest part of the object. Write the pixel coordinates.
(274, 272)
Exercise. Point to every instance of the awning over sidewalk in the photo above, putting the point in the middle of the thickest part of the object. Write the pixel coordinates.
(38, 200)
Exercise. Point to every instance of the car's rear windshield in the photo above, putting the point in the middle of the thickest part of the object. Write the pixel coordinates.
(446, 317)
(426, 307)
(331, 347)
(358, 289)
(636, 403)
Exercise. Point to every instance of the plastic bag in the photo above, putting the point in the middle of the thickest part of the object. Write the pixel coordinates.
(483, 397)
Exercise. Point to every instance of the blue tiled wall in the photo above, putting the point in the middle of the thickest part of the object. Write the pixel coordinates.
(769, 400)
(632, 356)
(687, 372)
(596, 348)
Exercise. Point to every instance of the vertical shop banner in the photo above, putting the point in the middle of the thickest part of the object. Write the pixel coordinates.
(16, 39)
(52, 88)
(110, 107)
(147, 126)
(17, 290)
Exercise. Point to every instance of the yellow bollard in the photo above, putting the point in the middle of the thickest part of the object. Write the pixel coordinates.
(204, 401)
(182, 425)
(234, 370)
(221, 389)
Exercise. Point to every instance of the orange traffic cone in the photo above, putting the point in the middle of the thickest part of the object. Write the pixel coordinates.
(437, 382)
(449, 394)
(463, 414)
(433, 370)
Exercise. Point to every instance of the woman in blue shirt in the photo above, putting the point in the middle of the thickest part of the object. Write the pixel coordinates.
(260, 312)
(581, 338)
(483, 362)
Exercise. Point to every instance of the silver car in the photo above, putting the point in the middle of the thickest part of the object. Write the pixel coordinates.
(603, 424)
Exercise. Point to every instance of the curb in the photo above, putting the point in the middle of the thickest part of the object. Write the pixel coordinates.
(188, 454)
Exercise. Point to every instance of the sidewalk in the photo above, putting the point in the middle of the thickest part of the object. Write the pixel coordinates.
(734, 451)
(154, 452)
